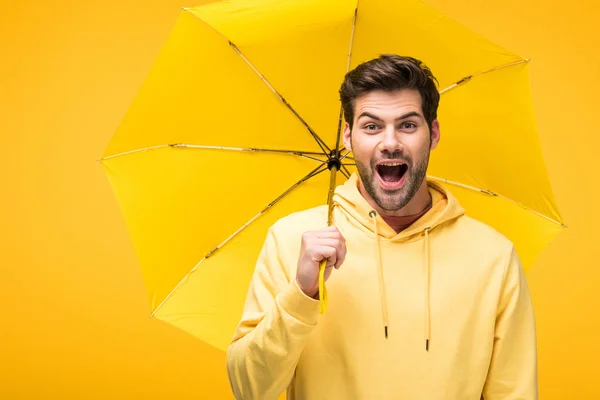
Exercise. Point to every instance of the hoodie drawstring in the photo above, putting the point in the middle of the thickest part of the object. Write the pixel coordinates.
(427, 312)
(384, 309)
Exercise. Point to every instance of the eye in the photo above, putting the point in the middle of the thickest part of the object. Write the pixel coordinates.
(371, 127)
(408, 125)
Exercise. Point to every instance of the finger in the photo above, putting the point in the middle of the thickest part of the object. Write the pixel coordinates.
(326, 252)
(340, 248)
(339, 260)
(335, 243)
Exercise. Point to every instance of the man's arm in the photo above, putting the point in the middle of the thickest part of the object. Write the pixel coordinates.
(513, 369)
(275, 326)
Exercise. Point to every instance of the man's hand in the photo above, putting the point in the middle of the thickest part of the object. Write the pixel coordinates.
(327, 244)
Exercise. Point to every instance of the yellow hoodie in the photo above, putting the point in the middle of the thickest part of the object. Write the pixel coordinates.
(449, 289)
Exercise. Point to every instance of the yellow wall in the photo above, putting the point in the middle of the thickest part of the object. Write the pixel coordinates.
(74, 313)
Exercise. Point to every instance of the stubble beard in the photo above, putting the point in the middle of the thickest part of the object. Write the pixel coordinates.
(393, 200)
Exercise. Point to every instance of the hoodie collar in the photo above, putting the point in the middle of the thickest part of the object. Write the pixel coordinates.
(445, 207)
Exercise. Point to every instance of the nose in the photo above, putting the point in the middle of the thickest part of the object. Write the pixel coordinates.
(389, 140)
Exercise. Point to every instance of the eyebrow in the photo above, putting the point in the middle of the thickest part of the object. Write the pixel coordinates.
(376, 118)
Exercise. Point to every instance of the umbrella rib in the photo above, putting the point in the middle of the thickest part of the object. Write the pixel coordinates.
(314, 172)
(344, 171)
(346, 156)
(320, 142)
(469, 77)
(306, 154)
(339, 129)
(494, 194)
(134, 151)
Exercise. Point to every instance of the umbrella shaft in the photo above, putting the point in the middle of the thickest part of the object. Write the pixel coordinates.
(332, 180)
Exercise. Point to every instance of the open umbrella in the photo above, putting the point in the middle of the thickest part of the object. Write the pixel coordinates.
(238, 122)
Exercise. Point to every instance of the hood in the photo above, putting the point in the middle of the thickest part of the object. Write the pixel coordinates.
(445, 207)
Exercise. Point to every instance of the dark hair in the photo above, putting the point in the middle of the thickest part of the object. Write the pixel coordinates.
(390, 72)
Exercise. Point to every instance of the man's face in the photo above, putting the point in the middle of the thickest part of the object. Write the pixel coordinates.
(391, 142)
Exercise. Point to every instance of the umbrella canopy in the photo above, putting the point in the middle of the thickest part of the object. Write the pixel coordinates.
(236, 121)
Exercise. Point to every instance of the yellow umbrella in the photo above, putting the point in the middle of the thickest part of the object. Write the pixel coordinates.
(239, 119)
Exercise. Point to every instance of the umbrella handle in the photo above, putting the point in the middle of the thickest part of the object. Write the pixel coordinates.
(323, 299)
(322, 288)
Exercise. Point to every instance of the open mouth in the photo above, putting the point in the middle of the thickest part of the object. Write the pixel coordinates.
(391, 174)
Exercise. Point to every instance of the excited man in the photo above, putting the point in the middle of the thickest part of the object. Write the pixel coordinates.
(428, 303)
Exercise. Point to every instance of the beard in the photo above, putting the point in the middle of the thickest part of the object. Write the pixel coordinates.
(393, 200)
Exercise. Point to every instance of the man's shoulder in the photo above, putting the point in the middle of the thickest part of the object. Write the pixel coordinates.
(479, 233)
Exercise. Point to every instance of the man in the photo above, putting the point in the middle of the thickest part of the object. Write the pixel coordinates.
(427, 303)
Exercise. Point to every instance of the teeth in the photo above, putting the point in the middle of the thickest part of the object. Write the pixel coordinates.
(391, 164)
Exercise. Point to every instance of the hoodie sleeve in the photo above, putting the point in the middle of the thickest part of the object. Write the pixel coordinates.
(276, 323)
(513, 369)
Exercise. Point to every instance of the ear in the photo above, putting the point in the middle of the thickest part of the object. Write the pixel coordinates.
(435, 134)
(346, 137)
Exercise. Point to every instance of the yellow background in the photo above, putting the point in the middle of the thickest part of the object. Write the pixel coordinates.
(74, 319)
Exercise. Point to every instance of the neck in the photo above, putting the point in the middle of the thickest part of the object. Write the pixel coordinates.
(418, 203)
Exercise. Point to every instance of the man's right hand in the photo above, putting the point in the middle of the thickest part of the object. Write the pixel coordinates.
(327, 243)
